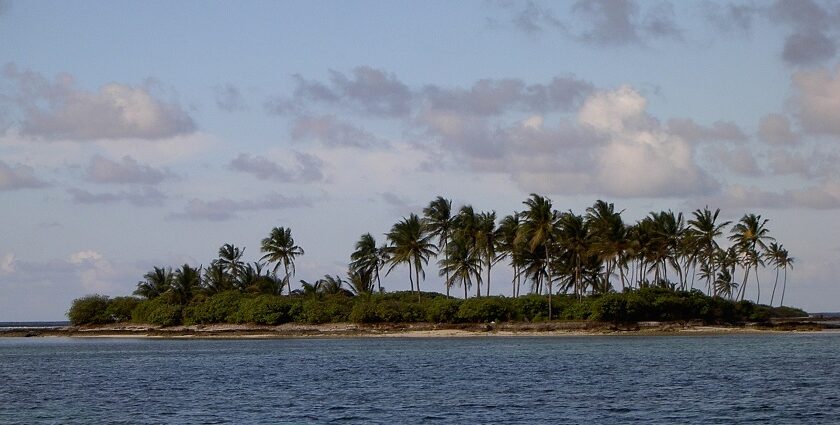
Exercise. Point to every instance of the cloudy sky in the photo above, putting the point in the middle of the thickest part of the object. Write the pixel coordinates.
(135, 134)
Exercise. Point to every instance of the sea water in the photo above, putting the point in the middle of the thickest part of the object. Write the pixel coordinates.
(754, 378)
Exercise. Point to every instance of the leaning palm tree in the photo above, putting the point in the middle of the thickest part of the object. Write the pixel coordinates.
(367, 259)
(279, 248)
(539, 230)
(786, 262)
(409, 243)
(155, 283)
(751, 235)
(507, 247)
(437, 217)
(775, 253)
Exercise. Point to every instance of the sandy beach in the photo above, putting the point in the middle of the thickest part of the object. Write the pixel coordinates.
(412, 330)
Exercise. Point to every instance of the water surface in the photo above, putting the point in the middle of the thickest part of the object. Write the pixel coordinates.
(774, 379)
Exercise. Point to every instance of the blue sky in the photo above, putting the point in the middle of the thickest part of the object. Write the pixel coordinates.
(136, 134)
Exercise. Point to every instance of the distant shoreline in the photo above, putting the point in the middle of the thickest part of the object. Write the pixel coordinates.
(418, 330)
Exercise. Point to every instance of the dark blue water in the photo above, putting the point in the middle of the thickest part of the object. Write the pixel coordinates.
(766, 379)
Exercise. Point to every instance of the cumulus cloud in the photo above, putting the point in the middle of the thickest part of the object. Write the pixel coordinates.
(58, 109)
(808, 47)
(811, 41)
(817, 100)
(225, 209)
(228, 98)
(330, 131)
(817, 164)
(307, 168)
(127, 170)
(739, 160)
(693, 132)
(18, 176)
(145, 196)
(731, 17)
(774, 129)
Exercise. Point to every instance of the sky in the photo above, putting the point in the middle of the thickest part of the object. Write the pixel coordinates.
(142, 134)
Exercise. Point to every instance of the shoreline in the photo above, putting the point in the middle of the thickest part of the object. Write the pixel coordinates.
(418, 330)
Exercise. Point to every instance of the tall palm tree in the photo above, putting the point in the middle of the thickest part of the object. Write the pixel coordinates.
(155, 283)
(775, 253)
(486, 242)
(574, 237)
(230, 259)
(507, 247)
(411, 244)
(539, 230)
(467, 227)
(216, 279)
(437, 217)
(751, 235)
(609, 235)
(706, 230)
(367, 259)
(279, 248)
(786, 262)
(460, 263)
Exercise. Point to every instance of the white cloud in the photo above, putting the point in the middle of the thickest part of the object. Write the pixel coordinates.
(305, 168)
(225, 209)
(775, 129)
(8, 263)
(127, 170)
(60, 111)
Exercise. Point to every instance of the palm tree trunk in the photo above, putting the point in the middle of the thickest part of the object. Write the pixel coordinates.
(410, 278)
(417, 276)
(464, 282)
(548, 275)
(378, 282)
(489, 265)
(773, 294)
(446, 256)
(784, 287)
(757, 285)
(740, 295)
(286, 279)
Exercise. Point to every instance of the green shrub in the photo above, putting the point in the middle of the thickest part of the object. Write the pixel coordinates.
(364, 312)
(533, 307)
(265, 310)
(223, 307)
(120, 308)
(442, 310)
(485, 309)
(90, 310)
(157, 312)
(329, 309)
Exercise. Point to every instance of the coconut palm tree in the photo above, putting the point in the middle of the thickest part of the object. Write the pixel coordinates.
(486, 242)
(230, 259)
(360, 282)
(279, 248)
(411, 244)
(609, 236)
(437, 217)
(331, 285)
(539, 229)
(185, 283)
(460, 264)
(751, 235)
(155, 283)
(786, 262)
(216, 279)
(775, 253)
(506, 247)
(706, 230)
(367, 259)
(574, 237)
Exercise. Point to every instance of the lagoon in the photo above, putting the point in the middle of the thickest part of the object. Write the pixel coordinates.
(777, 378)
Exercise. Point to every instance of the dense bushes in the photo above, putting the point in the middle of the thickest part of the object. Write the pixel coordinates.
(647, 304)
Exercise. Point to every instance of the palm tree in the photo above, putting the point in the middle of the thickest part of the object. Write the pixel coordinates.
(216, 279)
(331, 285)
(574, 237)
(155, 283)
(539, 229)
(230, 259)
(609, 236)
(460, 263)
(468, 228)
(507, 247)
(279, 248)
(775, 253)
(437, 217)
(185, 282)
(706, 230)
(360, 282)
(486, 242)
(409, 243)
(367, 259)
(786, 261)
(750, 235)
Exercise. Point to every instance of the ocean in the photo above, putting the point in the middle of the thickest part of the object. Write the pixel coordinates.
(778, 378)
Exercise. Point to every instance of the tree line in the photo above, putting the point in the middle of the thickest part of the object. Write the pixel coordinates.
(548, 251)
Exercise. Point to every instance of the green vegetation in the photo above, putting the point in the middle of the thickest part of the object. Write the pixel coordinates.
(592, 266)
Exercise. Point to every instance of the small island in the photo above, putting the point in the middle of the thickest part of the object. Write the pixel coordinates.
(587, 273)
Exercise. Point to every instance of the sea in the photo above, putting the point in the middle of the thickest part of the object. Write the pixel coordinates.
(776, 378)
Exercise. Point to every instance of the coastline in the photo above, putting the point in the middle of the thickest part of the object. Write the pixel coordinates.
(418, 330)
